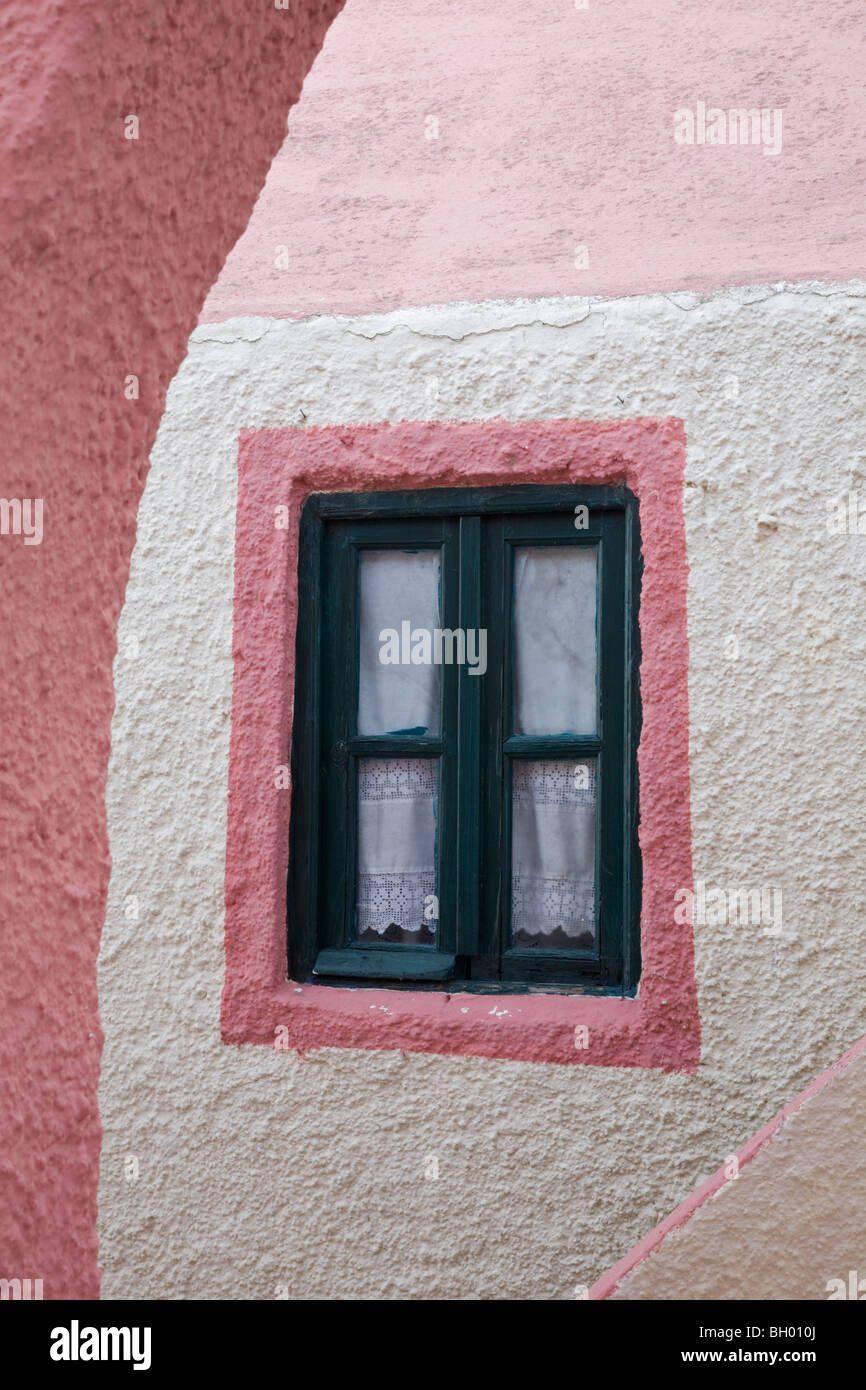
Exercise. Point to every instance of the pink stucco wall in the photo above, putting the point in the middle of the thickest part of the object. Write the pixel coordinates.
(556, 130)
(111, 245)
(281, 468)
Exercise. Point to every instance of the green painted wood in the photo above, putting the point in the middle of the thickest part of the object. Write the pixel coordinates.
(552, 746)
(468, 843)
(407, 963)
(495, 879)
(632, 878)
(543, 529)
(456, 502)
(383, 745)
(304, 841)
(476, 531)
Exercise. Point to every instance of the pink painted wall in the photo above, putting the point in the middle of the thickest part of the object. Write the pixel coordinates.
(556, 129)
(660, 1028)
(111, 245)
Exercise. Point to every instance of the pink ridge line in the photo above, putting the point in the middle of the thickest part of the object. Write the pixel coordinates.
(609, 1282)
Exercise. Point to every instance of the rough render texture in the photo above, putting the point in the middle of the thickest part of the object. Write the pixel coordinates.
(789, 1224)
(110, 246)
(281, 468)
(555, 130)
(260, 1171)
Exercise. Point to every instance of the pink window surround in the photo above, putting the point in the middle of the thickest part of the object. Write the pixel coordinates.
(279, 469)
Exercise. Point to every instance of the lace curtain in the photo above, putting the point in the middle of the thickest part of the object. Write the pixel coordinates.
(553, 853)
(397, 849)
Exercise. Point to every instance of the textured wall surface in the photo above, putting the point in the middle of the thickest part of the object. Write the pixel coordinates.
(554, 129)
(790, 1225)
(256, 1171)
(110, 245)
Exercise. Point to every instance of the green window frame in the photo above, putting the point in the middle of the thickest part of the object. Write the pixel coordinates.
(476, 531)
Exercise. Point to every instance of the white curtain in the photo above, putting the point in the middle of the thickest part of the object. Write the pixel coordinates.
(555, 639)
(553, 853)
(396, 849)
(553, 801)
(396, 586)
(397, 796)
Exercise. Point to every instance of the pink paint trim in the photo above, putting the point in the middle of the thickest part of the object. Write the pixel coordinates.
(660, 1028)
(610, 1281)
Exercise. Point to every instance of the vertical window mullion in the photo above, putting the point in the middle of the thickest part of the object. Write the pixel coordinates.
(631, 733)
(496, 614)
(449, 792)
(340, 642)
(612, 772)
(469, 689)
(303, 885)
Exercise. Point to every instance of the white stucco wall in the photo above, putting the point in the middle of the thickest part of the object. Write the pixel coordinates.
(259, 1172)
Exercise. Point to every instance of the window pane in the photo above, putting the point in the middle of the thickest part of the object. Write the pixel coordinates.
(553, 853)
(399, 685)
(397, 813)
(555, 660)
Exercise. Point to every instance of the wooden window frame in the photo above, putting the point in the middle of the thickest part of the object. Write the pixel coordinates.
(477, 529)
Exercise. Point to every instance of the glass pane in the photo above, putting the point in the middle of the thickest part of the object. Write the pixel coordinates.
(555, 659)
(553, 853)
(399, 684)
(396, 892)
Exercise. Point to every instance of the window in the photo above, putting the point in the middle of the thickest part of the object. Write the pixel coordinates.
(464, 804)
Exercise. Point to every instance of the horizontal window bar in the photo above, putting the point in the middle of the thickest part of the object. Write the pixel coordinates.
(539, 954)
(395, 745)
(551, 745)
(546, 985)
(449, 502)
(407, 963)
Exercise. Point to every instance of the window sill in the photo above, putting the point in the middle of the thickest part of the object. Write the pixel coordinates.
(600, 1031)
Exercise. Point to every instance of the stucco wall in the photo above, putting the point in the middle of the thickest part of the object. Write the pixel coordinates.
(259, 1171)
(790, 1224)
(112, 234)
